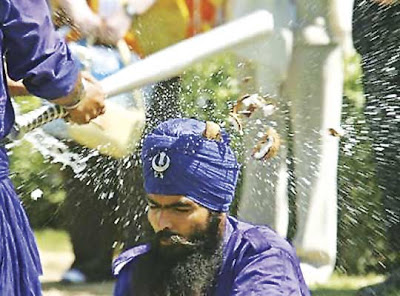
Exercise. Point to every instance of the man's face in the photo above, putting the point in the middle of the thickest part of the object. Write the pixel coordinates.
(177, 215)
(186, 248)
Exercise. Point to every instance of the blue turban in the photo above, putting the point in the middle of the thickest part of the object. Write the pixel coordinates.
(179, 160)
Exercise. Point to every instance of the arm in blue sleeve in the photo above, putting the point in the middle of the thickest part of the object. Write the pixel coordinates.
(269, 273)
(34, 51)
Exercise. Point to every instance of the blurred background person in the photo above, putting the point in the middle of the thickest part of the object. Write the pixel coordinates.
(299, 70)
(33, 53)
(376, 27)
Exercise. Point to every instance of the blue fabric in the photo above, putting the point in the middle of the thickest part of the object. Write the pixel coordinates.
(257, 262)
(19, 257)
(36, 54)
(33, 49)
(204, 170)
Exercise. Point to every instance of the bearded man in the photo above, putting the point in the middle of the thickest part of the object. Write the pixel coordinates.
(196, 248)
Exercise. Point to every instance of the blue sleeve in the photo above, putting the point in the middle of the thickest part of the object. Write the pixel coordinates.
(34, 52)
(269, 273)
(122, 284)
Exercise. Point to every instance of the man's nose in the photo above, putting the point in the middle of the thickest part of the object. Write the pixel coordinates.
(164, 220)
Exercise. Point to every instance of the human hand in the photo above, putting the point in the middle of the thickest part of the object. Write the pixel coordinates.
(91, 103)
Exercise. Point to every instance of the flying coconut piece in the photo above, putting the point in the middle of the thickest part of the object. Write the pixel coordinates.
(249, 104)
(268, 146)
(252, 106)
(336, 132)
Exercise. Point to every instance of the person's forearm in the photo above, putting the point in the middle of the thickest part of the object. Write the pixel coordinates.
(17, 88)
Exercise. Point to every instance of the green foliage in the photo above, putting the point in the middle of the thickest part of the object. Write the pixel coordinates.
(362, 245)
(352, 87)
(31, 174)
(27, 103)
(210, 89)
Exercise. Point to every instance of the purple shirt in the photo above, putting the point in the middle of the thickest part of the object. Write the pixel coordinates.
(33, 52)
(256, 262)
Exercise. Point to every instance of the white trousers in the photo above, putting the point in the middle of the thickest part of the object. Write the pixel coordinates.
(301, 69)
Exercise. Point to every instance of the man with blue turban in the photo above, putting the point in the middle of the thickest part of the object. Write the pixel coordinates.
(196, 248)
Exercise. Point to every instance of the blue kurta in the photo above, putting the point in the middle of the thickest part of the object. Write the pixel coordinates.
(35, 53)
(256, 262)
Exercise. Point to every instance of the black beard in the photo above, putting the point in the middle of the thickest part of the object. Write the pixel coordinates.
(186, 267)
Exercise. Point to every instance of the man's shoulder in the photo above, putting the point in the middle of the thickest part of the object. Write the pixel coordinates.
(128, 256)
(258, 258)
(262, 238)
